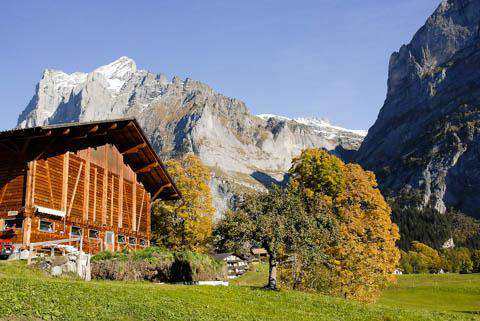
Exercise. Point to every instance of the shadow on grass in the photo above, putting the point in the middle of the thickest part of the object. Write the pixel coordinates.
(262, 288)
(469, 312)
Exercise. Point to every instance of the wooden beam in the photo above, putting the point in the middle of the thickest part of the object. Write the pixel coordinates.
(120, 197)
(9, 147)
(134, 206)
(76, 239)
(4, 189)
(46, 149)
(134, 149)
(141, 210)
(160, 190)
(95, 179)
(94, 129)
(79, 137)
(147, 168)
(105, 187)
(34, 165)
(75, 190)
(7, 142)
(25, 146)
(86, 186)
(66, 165)
(112, 185)
(47, 167)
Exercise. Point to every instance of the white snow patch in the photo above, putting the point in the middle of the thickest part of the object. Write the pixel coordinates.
(118, 69)
(115, 84)
(322, 126)
(268, 116)
(323, 123)
(117, 72)
(62, 80)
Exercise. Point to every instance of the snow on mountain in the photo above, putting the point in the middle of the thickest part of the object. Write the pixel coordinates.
(117, 72)
(181, 116)
(321, 125)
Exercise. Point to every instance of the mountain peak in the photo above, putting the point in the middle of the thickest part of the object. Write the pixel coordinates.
(117, 72)
(119, 69)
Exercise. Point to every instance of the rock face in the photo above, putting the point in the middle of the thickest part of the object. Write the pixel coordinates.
(182, 116)
(427, 135)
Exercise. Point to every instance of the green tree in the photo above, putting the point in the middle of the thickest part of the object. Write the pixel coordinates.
(475, 257)
(329, 230)
(457, 260)
(431, 260)
(263, 220)
(186, 224)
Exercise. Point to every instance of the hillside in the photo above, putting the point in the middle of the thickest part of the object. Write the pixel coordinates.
(28, 295)
(427, 135)
(181, 116)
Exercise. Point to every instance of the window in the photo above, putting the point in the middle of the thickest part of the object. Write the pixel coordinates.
(13, 223)
(46, 226)
(93, 234)
(143, 243)
(132, 240)
(76, 231)
(109, 237)
(121, 239)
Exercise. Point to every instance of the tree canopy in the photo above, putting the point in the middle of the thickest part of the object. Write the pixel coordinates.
(329, 230)
(365, 256)
(186, 224)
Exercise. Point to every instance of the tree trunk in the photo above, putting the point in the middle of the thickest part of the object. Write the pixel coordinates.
(272, 272)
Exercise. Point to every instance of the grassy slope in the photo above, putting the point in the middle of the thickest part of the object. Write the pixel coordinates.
(29, 293)
(447, 292)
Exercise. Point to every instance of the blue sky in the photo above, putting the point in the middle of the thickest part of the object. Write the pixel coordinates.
(323, 58)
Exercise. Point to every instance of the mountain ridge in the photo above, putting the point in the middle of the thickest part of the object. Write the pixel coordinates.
(426, 137)
(244, 151)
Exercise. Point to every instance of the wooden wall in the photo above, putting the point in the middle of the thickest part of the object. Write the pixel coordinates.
(12, 189)
(93, 187)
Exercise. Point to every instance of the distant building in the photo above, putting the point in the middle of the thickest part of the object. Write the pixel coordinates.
(397, 272)
(259, 253)
(236, 265)
(449, 244)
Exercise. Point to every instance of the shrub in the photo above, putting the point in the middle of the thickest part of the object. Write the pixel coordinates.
(157, 265)
(457, 260)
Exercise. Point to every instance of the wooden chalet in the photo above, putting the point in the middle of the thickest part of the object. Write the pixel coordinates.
(90, 181)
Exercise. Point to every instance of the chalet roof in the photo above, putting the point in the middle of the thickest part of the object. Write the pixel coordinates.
(223, 256)
(125, 134)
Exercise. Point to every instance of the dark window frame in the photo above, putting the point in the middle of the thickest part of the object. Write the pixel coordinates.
(43, 230)
(76, 227)
(124, 239)
(12, 219)
(97, 234)
(130, 238)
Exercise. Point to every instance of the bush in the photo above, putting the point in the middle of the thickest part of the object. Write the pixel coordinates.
(457, 260)
(157, 265)
(423, 259)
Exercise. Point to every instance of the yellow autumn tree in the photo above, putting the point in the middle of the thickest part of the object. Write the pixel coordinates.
(364, 256)
(186, 224)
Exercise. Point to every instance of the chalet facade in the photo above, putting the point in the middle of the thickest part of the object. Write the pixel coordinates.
(236, 266)
(92, 182)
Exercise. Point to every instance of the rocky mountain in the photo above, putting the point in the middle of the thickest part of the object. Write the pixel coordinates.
(181, 116)
(427, 135)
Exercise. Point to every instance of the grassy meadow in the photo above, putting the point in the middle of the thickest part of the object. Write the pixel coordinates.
(27, 294)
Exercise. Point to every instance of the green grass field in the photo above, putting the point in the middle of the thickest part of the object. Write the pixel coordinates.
(446, 292)
(29, 295)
